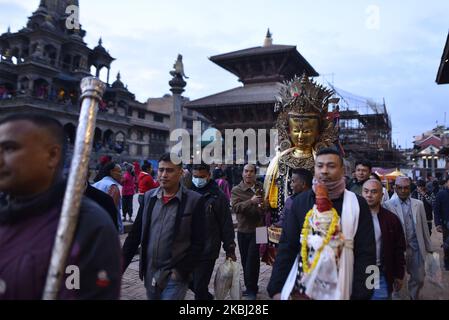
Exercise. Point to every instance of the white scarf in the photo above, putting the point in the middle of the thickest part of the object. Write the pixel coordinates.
(349, 223)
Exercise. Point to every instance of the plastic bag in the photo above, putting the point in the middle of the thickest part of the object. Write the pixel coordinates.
(223, 280)
(433, 269)
(227, 280)
(236, 290)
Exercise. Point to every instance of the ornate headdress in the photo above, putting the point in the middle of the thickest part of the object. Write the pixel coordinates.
(304, 98)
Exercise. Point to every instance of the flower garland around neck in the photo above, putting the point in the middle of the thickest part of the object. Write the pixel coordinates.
(304, 235)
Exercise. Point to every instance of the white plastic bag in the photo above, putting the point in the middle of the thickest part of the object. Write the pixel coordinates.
(433, 269)
(227, 281)
(236, 290)
(223, 280)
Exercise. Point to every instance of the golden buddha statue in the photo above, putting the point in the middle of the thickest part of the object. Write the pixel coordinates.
(304, 128)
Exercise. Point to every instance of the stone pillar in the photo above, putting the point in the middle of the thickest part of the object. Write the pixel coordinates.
(177, 85)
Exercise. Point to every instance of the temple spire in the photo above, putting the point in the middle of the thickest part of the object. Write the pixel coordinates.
(268, 39)
(56, 8)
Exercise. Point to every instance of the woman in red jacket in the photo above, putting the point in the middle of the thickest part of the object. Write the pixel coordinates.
(145, 181)
(128, 183)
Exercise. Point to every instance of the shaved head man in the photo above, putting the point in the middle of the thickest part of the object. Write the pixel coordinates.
(372, 195)
(390, 242)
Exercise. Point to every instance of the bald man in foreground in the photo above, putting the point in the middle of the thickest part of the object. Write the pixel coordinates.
(390, 242)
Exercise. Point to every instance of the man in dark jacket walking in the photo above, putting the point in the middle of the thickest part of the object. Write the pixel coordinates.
(390, 242)
(219, 229)
(442, 219)
(170, 229)
(31, 198)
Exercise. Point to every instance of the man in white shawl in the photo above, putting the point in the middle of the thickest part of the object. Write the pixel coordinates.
(350, 278)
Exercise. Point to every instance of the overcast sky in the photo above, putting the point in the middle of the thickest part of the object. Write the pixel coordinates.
(378, 49)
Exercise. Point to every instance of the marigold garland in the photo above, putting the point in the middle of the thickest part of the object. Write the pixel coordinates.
(304, 235)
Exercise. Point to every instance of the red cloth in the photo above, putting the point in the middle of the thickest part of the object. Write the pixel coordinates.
(104, 160)
(128, 183)
(136, 168)
(166, 199)
(146, 182)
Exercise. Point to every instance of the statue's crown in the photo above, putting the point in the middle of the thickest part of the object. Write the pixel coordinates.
(302, 97)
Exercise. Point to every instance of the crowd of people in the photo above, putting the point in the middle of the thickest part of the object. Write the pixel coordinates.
(184, 219)
(400, 223)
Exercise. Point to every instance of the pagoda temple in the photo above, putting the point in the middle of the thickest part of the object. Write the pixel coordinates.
(261, 70)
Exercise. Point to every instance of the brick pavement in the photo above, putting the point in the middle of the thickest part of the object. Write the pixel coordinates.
(133, 289)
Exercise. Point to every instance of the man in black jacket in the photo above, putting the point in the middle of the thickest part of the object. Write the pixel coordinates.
(329, 170)
(31, 196)
(170, 229)
(219, 228)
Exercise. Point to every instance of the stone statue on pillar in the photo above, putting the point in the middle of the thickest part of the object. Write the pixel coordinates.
(177, 85)
(179, 68)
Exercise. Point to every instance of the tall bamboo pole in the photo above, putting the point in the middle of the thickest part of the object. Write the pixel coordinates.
(92, 90)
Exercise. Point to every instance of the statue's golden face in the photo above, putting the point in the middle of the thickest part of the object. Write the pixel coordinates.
(303, 132)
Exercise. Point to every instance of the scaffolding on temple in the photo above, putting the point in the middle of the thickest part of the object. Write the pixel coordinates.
(365, 130)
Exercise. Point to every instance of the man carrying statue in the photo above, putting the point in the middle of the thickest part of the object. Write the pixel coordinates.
(326, 242)
(327, 250)
(304, 127)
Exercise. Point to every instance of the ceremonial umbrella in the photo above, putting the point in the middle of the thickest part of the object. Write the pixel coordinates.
(393, 175)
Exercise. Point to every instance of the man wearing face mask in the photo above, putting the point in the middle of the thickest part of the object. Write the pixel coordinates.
(219, 229)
